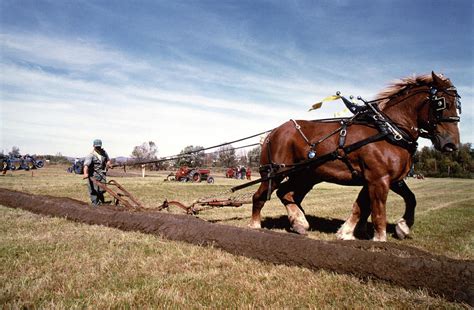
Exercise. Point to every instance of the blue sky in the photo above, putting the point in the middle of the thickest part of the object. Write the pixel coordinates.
(204, 72)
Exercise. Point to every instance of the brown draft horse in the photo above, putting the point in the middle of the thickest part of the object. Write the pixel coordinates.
(425, 106)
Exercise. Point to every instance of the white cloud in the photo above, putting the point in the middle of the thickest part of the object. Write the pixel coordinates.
(43, 111)
(78, 54)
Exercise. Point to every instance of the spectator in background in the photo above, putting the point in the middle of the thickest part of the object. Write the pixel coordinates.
(243, 172)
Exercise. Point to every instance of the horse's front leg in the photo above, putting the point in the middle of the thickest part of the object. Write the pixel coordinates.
(406, 222)
(378, 192)
(358, 217)
(258, 201)
(291, 195)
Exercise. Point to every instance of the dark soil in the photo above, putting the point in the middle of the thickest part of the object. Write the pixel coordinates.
(401, 265)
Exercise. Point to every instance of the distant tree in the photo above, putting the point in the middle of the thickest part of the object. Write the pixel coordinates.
(191, 156)
(145, 151)
(242, 160)
(57, 159)
(226, 156)
(162, 165)
(210, 159)
(254, 156)
(14, 152)
(458, 164)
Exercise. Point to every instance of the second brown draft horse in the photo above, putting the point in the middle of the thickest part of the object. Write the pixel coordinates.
(374, 149)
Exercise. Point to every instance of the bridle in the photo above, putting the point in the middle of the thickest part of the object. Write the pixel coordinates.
(437, 106)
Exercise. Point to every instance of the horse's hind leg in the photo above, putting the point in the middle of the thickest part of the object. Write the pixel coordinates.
(406, 222)
(258, 201)
(291, 195)
(358, 217)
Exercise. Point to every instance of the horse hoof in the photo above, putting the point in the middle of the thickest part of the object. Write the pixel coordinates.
(402, 230)
(342, 236)
(381, 237)
(299, 229)
(254, 226)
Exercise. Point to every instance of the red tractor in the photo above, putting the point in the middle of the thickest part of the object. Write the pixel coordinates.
(186, 174)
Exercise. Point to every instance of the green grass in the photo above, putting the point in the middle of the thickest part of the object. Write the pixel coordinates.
(53, 263)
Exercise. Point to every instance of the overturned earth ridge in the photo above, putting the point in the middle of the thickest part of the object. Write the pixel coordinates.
(401, 265)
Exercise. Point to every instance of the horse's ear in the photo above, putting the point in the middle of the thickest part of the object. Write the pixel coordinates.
(436, 79)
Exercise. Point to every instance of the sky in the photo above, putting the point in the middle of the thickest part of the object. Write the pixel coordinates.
(189, 72)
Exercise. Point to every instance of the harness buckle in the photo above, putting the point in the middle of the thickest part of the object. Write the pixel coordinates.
(343, 132)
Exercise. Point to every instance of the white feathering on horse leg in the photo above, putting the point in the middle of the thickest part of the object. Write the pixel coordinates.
(346, 231)
(255, 224)
(298, 221)
(402, 229)
(382, 237)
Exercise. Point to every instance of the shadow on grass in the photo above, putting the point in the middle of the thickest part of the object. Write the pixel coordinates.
(323, 225)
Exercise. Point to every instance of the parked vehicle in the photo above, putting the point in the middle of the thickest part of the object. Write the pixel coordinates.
(186, 174)
(77, 167)
(18, 162)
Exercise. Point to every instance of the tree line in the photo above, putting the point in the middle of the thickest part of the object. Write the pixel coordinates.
(194, 156)
(458, 164)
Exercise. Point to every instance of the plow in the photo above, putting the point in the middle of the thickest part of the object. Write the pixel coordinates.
(121, 196)
(203, 204)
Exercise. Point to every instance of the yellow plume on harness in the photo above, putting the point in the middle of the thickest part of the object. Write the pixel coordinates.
(341, 113)
(319, 104)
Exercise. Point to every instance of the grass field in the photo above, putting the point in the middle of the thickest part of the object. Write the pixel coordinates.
(55, 263)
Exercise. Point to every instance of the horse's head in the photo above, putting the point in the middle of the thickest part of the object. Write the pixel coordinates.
(440, 115)
(426, 106)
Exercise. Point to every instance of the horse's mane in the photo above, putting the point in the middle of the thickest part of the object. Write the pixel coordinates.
(403, 84)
